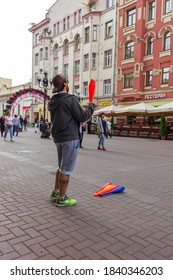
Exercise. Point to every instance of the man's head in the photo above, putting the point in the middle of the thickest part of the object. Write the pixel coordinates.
(102, 115)
(60, 83)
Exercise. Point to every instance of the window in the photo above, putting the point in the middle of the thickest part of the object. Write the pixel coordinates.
(64, 24)
(94, 32)
(68, 22)
(66, 70)
(151, 13)
(165, 75)
(150, 46)
(77, 43)
(77, 67)
(54, 29)
(108, 58)
(66, 47)
(41, 54)
(87, 30)
(131, 17)
(110, 3)
(55, 70)
(36, 58)
(129, 50)
(58, 30)
(56, 51)
(109, 29)
(35, 77)
(75, 18)
(92, 7)
(80, 15)
(94, 60)
(166, 45)
(86, 62)
(168, 6)
(128, 80)
(85, 89)
(107, 87)
(149, 75)
(46, 53)
(37, 38)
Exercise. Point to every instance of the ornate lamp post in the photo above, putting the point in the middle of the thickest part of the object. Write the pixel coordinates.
(46, 85)
(79, 95)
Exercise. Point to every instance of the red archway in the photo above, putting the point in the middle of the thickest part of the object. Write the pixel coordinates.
(16, 97)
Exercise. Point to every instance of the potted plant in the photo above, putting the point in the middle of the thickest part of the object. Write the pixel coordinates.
(163, 128)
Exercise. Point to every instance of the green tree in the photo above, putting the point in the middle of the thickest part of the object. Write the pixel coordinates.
(163, 126)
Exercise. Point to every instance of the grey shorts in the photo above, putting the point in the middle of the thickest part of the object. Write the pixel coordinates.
(67, 155)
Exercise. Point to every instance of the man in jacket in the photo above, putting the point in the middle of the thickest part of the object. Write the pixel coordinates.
(66, 115)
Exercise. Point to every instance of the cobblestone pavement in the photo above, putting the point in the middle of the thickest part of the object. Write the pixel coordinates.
(134, 225)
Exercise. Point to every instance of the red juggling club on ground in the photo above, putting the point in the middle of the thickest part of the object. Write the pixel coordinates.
(91, 89)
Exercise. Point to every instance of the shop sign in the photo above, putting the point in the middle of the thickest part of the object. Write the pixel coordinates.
(155, 96)
(105, 103)
(25, 107)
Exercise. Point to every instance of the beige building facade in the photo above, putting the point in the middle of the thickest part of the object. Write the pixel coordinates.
(77, 38)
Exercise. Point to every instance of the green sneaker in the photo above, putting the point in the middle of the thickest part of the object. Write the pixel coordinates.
(66, 202)
(54, 194)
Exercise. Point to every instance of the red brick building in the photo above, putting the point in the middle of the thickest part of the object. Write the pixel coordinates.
(145, 51)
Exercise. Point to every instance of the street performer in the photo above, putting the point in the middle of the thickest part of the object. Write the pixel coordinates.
(66, 115)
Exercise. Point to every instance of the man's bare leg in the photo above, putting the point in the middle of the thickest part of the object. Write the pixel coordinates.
(57, 180)
(63, 200)
(55, 192)
(63, 183)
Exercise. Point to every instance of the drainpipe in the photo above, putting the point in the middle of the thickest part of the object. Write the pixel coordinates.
(114, 89)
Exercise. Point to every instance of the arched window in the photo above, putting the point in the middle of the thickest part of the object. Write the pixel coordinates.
(150, 46)
(66, 47)
(129, 50)
(77, 43)
(56, 50)
(166, 45)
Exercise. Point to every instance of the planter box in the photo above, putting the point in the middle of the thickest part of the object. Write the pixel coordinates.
(124, 133)
(143, 134)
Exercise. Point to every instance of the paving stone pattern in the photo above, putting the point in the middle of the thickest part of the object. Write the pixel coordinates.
(134, 225)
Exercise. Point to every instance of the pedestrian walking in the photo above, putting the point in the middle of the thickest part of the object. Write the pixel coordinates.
(21, 122)
(102, 131)
(65, 133)
(16, 122)
(25, 123)
(2, 125)
(41, 123)
(36, 125)
(8, 126)
(109, 129)
(81, 131)
(89, 126)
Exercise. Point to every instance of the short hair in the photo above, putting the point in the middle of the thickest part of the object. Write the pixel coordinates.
(58, 83)
(102, 114)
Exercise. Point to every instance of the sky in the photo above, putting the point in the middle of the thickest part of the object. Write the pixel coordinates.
(16, 40)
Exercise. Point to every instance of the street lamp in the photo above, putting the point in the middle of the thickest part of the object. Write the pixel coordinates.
(46, 85)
